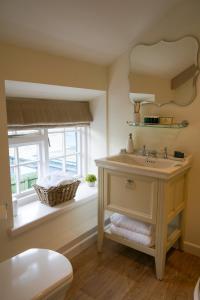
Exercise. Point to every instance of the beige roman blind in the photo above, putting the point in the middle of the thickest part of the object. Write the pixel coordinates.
(32, 113)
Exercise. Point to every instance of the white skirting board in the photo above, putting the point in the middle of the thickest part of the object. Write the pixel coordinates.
(92, 238)
(81, 243)
(80, 246)
(84, 241)
(192, 248)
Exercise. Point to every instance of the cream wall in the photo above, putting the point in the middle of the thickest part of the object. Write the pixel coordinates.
(184, 20)
(53, 234)
(97, 145)
(22, 64)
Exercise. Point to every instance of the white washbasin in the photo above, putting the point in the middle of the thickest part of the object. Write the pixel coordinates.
(149, 162)
(143, 165)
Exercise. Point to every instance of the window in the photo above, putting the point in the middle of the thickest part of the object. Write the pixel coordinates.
(65, 150)
(25, 165)
(35, 153)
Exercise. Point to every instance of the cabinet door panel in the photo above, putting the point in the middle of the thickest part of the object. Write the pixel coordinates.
(130, 194)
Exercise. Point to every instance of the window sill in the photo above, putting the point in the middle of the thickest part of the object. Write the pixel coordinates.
(35, 213)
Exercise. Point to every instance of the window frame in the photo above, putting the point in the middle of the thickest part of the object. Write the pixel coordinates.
(41, 138)
(26, 140)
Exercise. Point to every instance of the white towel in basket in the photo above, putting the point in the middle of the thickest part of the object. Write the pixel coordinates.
(55, 179)
(132, 224)
(133, 236)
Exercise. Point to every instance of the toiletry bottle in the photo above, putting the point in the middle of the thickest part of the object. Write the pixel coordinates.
(130, 144)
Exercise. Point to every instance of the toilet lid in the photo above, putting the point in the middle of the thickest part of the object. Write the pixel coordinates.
(33, 274)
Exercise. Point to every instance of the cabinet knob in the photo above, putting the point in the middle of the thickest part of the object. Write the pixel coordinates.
(130, 181)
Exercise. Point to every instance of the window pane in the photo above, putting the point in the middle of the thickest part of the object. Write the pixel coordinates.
(28, 153)
(28, 176)
(70, 140)
(12, 156)
(56, 144)
(13, 180)
(70, 128)
(56, 165)
(71, 165)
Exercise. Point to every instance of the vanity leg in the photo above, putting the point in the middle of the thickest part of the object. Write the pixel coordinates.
(182, 227)
(160, 260)
(161, 232)
(100, 239)
(182, 214)
(100, 211)
(100, 228)
(161, 250)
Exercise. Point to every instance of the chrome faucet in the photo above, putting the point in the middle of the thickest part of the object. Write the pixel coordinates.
(165, 156)
(152, 153)
(149, 153)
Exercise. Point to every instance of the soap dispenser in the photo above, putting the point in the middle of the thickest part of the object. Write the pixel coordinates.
(130, 144)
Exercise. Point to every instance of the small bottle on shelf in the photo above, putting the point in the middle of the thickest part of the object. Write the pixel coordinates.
(130, 147)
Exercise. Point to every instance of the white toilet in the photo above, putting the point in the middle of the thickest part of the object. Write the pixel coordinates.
(35, 274)
(197, 291)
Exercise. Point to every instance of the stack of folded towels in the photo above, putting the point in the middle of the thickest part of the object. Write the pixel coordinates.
(132, 229)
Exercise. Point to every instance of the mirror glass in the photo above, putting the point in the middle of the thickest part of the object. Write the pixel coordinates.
(165, 72)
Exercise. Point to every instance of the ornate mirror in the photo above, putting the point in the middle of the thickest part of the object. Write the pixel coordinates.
(165, 72)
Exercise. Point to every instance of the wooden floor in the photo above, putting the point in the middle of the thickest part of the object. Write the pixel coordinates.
(122, 273)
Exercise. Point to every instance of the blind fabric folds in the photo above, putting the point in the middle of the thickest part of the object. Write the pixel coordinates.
(32, 113)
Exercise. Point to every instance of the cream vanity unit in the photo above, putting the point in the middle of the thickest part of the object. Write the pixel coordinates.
(150, 190)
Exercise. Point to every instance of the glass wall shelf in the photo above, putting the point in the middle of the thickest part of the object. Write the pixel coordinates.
(175, 126)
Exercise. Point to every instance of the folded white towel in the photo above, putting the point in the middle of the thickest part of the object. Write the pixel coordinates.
(133, 236)
(131, 224)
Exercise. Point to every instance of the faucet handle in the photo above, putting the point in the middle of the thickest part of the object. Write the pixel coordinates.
(123, 151)
(144, 150)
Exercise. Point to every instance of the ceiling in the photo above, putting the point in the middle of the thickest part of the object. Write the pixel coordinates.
(96, 31)
(45, 91)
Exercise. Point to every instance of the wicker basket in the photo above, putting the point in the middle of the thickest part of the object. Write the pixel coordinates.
(56, 195)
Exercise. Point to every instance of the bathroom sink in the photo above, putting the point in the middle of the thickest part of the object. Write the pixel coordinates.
(158, 167)
(148, 162)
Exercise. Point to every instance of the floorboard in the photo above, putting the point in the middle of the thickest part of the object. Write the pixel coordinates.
(121, 273)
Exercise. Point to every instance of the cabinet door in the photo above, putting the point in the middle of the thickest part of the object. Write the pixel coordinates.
(130, 194)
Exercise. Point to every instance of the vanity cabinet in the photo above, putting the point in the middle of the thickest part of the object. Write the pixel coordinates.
(130, 194)
(155, 200)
